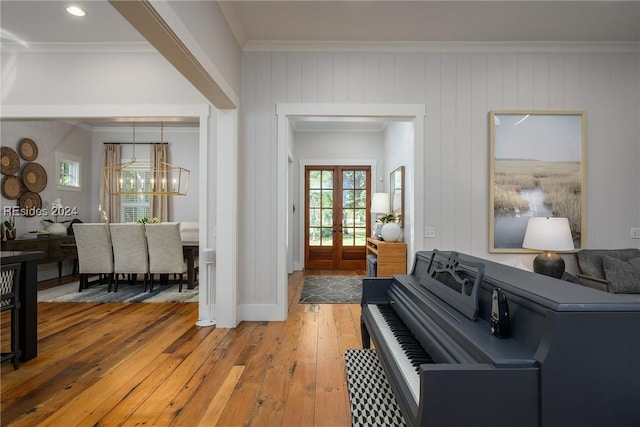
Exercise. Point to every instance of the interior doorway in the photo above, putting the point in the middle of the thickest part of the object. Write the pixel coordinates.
(336, 216)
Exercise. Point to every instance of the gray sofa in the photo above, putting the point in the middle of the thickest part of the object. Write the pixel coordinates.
(610, 270)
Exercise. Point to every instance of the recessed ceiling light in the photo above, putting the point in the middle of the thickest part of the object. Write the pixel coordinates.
(76, 11)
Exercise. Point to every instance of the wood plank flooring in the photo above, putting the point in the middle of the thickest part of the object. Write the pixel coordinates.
(148, 364)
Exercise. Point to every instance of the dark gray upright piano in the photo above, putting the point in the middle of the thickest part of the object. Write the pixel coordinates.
(571, 356)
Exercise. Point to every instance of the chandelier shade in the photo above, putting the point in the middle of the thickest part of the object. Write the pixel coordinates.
(143, 177)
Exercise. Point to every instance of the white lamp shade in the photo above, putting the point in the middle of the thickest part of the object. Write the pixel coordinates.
(548, 234)
(380, 203)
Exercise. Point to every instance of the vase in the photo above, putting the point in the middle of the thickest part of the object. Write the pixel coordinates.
(10, 234)
(390, 232)
(57, 229)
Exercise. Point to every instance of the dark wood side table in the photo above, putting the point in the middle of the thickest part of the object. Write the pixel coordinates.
(55, 248)
(28, 316)
(190, 248)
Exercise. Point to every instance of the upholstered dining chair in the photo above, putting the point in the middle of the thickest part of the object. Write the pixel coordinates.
(95, 256)
(130, 253)
(165, 252)
(10, 300)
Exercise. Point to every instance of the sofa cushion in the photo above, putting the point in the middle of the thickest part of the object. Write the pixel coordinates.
(624, 276)
(590, 260)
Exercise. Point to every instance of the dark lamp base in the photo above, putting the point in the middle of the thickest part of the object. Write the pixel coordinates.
(549, 264)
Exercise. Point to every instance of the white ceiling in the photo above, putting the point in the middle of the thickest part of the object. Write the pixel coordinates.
(349, 21)
(265, 23)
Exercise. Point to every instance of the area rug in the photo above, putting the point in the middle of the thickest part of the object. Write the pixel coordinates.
(331, 290)
(370, 395)
(125, 293)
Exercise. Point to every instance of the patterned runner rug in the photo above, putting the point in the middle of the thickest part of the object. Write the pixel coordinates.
(331, 290)
(370, 395)
(126, 293)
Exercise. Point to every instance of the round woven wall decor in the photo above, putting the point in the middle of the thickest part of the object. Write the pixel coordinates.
(30, 203)
(12, 187)
(28, 149)
(9, 161)
(34, 177)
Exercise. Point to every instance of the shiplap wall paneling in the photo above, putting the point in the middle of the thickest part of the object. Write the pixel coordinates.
(432, 188)
(463, 177)
(479, 150)
(448, 149)
(540, 81)
(266, 172)
(309, 75)
(325, 77)
(458, 90)
(633, 137)
(248, 220)
(600, 188)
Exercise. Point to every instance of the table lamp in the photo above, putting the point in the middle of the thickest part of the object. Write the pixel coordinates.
(379, 205)
(548, 235)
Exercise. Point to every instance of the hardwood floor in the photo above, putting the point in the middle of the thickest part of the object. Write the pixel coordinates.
(133, 364)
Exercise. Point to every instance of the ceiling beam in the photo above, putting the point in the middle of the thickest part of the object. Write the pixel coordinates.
(144, 18)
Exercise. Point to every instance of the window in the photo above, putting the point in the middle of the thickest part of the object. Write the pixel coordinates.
(69, 169)
(134, 207)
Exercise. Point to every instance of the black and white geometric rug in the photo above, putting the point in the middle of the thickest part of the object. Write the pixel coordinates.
(372, 401)
(331, 290)
(126, 293)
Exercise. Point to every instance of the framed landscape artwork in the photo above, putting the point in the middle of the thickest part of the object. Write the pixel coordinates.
(537, 169)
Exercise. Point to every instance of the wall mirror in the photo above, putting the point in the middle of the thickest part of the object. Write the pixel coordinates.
(397, 194)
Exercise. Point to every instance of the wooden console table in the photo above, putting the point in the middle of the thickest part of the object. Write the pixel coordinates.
(55, 248)
(392, 256)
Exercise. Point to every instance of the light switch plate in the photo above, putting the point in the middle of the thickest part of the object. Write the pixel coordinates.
(635, 233)
(430, 232)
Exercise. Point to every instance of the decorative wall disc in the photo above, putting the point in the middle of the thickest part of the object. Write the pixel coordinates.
(12, 187)
(34, 177)
(10, 161)
(28, 149)
(29, 203)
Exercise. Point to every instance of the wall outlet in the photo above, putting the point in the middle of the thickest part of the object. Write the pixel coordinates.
(430, 232)
(635, 233)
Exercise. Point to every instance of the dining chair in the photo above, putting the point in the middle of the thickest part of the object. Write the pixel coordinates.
(10, 300)
(95, 255)
(165, 252)
(130, 253)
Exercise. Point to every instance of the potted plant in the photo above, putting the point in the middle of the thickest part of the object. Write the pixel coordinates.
(147, 220)
(10, 228)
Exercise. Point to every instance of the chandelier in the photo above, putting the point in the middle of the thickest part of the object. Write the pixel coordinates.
(146, 178)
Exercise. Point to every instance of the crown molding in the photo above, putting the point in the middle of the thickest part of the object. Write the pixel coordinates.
(445, 46)
(82, 47)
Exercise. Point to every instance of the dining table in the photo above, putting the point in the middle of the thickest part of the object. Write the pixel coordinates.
(190, 249)
(28, 294)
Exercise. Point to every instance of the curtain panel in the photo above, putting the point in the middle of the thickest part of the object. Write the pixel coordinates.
(110, 204)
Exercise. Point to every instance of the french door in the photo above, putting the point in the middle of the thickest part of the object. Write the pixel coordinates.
(337, 217)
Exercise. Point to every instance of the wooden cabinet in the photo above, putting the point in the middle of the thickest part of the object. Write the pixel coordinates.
(391, 256)
(56, 248)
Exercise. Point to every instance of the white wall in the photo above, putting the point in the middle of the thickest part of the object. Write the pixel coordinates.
(93, 79)
(458, 89)
(206, 34)
(51, 136)
(398, 137)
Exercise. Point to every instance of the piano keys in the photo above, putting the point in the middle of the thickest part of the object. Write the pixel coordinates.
(568, 361)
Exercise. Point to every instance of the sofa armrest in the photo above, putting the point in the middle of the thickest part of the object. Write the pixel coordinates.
(595, 283)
